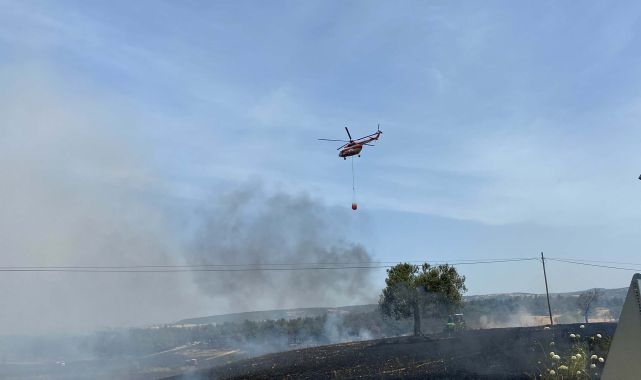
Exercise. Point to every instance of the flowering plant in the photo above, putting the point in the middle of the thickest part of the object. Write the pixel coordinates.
(583, 360)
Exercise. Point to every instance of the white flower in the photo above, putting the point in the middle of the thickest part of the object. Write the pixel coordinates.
(582, 326)
(556, 357)
(546, 328)
(552, 372)
(573, 357)
(601, 360)
(578, 372)
(563, 367)
(572, 336)
(551, 343)
(592, 365)
(551, 354)
(594, 357)
(578, 336)
(598, 336)
(578, 356)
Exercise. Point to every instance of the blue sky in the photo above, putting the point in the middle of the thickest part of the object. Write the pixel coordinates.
(511, 128)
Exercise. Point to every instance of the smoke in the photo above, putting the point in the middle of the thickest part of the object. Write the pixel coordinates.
(249, 226)
(73, 193)
(335, 330)
(519, 318)
(79, 188)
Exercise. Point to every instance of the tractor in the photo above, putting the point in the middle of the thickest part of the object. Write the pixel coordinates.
(455, 323)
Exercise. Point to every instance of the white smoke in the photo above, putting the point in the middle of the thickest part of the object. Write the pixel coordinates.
(73, 194)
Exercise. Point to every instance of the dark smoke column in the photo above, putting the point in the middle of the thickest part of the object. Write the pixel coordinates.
(247, 226)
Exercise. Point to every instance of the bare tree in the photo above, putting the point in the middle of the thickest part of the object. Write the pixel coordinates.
(586, 300)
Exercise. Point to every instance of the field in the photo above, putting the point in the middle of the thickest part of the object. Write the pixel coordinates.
(474, 354)
(148, 367)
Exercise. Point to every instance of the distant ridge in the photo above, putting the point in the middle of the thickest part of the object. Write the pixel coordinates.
(275, 314)
(607, 293)
(263, 315)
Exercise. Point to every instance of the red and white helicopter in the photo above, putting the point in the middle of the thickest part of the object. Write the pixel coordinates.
(354, 147)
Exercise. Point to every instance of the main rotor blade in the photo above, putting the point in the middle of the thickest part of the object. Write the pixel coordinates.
(345, 141)
(350, 136)
(342, 146)
(369, 144)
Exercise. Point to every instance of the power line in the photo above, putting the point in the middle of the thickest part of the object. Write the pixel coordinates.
(492, 261)
(173, 270)
(457, 262)
(595, 265)
(239, 267)
(597, 261)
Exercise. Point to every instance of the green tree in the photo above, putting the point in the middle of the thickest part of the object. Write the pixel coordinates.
(417, 291)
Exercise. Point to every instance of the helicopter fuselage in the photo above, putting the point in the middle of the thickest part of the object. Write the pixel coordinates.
(350, 150)
(354, 147)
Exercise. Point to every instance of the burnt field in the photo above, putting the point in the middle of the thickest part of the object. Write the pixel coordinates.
(474, 354)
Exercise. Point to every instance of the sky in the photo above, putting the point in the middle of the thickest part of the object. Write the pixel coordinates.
(510, 129)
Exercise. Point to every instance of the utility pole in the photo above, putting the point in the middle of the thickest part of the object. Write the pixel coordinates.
(547, 292)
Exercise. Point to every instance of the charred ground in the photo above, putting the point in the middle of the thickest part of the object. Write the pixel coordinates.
(489, 353)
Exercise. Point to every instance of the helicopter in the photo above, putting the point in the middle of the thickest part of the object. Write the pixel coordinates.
(354, 147)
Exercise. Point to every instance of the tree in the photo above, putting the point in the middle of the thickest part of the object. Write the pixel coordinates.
(587, 299)
(417, 291)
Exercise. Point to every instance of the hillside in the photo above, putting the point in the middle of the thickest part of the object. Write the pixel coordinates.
(274, 314)
(512, 353)
(610, 299)
(147, 352)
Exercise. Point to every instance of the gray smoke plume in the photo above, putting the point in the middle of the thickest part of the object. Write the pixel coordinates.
(76, 189)
(248, 226)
